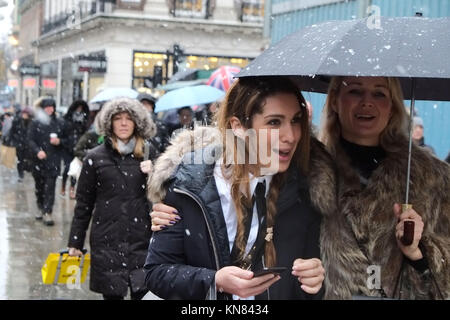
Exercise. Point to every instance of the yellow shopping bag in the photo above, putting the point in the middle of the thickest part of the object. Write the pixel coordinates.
(64, 269)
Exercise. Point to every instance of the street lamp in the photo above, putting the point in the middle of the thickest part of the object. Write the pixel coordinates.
(13, 40)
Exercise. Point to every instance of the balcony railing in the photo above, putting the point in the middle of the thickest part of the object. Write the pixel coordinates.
(77, 14)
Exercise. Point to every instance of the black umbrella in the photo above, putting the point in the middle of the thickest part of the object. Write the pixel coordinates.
(415, 50)
(407, 48)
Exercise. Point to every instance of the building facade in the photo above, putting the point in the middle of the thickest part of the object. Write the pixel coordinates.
(86, 45)
(286, 16)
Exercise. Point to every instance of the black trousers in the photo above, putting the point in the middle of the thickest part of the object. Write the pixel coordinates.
(22, 162)
(45, 191)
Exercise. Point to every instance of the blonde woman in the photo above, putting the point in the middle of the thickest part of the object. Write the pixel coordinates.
(364, 129)
(111, 192)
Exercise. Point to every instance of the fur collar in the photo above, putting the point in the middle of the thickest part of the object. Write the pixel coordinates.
(184, 143)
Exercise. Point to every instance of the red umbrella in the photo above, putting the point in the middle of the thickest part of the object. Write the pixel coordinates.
(223, 77)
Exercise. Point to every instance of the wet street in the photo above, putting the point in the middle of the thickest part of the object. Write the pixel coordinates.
(26, 242)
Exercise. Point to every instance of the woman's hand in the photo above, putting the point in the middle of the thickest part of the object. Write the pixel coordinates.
(163, 216)
(41, 155)
(240, 282)
(412, 251)
(310, 274)
(75, 252)
(147, 166)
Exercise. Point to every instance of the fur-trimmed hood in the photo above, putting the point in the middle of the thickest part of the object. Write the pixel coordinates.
(185, 142)
(144, 125)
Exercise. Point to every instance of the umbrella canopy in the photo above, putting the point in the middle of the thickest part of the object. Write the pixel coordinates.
(180, 84)
(188, 96)
(184, 74)
(413, 49)
(223, 77)
(112, 93)
(406, 47)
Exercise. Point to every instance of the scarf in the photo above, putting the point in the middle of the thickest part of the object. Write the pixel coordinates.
(126, 148)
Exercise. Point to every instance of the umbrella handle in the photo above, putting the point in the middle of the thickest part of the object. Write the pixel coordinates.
(408, 228)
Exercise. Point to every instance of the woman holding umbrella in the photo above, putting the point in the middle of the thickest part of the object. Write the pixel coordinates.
(364, 129)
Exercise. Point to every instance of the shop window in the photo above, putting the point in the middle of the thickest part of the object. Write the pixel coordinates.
(144, 66)
(211, 63)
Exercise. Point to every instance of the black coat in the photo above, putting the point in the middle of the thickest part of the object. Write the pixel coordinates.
(112, 192)
(89, 140)
(72, 133)
(182, 259)
(39, 139)
(18, 133)
(74, 129)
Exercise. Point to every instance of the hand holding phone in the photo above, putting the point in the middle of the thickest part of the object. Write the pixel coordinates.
(274, 270)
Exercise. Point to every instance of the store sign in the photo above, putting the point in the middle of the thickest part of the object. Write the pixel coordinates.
(92, 64)
(29, 83)
(49, 83)
(30, 70)
(13, 83)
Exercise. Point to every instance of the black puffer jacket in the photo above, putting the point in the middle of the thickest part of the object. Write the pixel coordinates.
(18, 133)
(112, 191)
(39, 139)
(74, 128)
(182, 260)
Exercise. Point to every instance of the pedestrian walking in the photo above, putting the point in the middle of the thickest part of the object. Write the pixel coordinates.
(75, 125)
(19, 140)
(111, 193)
(234, 218)
(44, 138)
(185, 116)
(161, 140)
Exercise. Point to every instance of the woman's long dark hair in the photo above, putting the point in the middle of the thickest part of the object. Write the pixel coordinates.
(244, 99)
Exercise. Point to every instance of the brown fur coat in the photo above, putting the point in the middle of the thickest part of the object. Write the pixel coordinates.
(369, 213)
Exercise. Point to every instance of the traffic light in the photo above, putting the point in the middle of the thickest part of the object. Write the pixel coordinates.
(177, 57)
(157, 76)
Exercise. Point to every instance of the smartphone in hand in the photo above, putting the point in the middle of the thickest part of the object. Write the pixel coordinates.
(274, 270)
